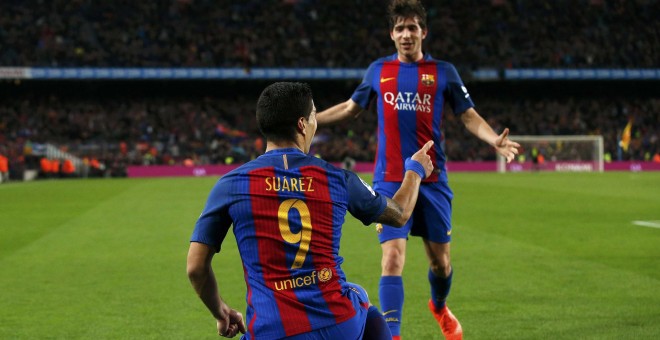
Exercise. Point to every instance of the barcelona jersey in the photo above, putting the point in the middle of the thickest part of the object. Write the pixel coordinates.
(287, 210)
(410, 101)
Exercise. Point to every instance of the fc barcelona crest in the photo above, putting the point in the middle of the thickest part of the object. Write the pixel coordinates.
(428, 79)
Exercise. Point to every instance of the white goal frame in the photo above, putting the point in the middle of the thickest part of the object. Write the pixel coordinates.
(596, 164)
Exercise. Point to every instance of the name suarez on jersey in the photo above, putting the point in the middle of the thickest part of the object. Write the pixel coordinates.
(408, 101)
(284, 183)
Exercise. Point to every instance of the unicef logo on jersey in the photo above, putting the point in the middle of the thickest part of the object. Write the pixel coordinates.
(324, 275)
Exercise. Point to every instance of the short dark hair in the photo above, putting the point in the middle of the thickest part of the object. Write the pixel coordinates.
(399, 9)
(279, 107)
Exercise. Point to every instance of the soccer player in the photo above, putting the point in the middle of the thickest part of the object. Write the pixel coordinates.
(287, 209)
(411, 88)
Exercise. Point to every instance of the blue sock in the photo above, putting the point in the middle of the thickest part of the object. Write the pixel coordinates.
(376, 327)
(440, 288)
(391, 301)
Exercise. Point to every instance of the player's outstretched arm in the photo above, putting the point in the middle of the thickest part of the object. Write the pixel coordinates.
(506, 147)
(479, 127)
(401, 205)
(202, 278)
(338, 113)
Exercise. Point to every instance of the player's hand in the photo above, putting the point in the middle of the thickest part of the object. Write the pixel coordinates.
(231, 324)
(424, 159)
(505, 147)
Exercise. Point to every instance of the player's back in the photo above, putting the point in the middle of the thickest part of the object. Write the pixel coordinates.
(287, 209)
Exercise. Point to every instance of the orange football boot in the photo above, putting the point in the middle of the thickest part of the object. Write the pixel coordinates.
(450, 326)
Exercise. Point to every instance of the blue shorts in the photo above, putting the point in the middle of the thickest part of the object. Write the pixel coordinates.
(431, 218)
(352, 328)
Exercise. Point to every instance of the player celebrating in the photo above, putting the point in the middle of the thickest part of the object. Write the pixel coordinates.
(411, 89)
(287, 210)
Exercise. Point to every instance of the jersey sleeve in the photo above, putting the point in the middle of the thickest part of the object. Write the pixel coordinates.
(363, 202)
(214, 222)
(363, 93)
(456, 93)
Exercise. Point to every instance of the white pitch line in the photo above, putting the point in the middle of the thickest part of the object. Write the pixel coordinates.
(650, 224)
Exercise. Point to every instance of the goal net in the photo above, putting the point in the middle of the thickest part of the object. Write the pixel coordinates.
(555, 153)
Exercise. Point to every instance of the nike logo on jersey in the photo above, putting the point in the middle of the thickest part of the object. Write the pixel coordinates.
(384, 80)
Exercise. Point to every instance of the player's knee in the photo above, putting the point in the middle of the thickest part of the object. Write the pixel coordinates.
(441, 266)
(393, 261)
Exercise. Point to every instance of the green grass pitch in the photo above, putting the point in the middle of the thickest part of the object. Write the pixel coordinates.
(536, 256)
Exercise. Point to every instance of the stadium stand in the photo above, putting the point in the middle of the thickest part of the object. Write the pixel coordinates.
(169, 127)
(116, 124)
(194, 33)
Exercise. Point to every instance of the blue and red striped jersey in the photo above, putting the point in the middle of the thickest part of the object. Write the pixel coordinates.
(410, 102)
(287, 210)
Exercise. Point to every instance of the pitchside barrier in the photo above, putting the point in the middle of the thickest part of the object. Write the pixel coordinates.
(360, 167)
(322, 73)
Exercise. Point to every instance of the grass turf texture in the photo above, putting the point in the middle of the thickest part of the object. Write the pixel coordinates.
(536, 256)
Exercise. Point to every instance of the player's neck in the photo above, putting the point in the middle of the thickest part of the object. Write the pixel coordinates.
(270, 146)
(410, 59)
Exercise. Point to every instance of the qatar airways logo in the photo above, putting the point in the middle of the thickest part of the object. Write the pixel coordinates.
(408, 101)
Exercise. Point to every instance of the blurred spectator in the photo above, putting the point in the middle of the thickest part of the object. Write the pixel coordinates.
(276, 33)
(213, 123)
(119, 129)
(68, 169)
(4, 169)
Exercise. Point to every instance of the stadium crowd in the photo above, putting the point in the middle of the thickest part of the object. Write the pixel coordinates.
(304, 33)
(127, 130)
(120, 129)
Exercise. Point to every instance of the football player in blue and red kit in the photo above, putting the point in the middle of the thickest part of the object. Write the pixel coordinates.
(411, 89)
(287, 209)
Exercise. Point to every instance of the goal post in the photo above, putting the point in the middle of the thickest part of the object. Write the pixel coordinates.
(556, 153)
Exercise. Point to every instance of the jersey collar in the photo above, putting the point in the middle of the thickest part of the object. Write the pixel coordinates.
(395, 57)
(284, 151)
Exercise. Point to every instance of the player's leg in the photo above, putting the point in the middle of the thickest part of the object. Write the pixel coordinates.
(376, 328)
(440, 275)
(393, 245)
(434, 226)
(390, 290)
(440, 271)
(356, 327)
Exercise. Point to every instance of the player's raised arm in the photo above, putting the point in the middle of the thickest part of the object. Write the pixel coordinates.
(401, 205)
(340, 112)
(479, 127)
